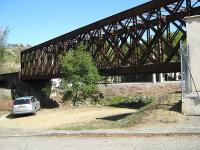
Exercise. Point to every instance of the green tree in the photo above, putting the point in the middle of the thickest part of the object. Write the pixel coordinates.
(79, 74)
(3, 37)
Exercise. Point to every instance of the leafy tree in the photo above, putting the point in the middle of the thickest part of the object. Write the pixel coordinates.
(3, 36)
(79, 74)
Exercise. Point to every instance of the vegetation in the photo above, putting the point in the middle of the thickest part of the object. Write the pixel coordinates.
(3, 36)
(11, 58)
(9, 53)
(79, 75)
(128, 101)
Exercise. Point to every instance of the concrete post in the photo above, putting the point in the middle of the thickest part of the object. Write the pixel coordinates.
(161, 80)
(120, 79)
(154, 78)
(177, 77)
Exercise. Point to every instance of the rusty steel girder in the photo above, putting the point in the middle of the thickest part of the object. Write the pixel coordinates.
(144, 39)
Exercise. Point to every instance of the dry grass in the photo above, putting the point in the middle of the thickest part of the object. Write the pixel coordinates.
(167, 110)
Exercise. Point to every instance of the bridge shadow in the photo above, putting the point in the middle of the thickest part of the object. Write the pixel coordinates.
(49, 104)
(115, 117)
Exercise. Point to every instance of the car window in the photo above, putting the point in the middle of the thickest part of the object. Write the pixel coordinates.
(21, 101)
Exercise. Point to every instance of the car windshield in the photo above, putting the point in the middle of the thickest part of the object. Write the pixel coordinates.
(22, 101)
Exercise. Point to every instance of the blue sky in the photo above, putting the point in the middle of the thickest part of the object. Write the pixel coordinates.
(36, 21)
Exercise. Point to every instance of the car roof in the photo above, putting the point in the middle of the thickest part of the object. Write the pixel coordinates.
(25, 97)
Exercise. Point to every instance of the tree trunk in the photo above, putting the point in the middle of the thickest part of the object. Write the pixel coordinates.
(75, 99)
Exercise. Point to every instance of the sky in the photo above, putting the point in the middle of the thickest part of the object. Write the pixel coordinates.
(36, 21)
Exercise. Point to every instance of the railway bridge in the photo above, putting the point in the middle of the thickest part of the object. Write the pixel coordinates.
(142, 40)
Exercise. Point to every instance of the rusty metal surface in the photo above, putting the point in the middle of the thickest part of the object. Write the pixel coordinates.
(143, 69)
(130, 42)
(4, 77)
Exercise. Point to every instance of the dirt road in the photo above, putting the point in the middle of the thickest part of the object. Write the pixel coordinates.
(48, 119)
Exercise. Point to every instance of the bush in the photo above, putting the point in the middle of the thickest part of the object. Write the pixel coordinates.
(138, 101)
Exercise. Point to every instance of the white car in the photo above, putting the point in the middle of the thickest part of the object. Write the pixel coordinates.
(25, 105)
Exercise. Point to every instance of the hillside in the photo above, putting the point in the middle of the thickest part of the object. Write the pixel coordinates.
(12, 58)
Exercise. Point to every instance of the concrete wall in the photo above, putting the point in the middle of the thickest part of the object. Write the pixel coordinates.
(193, 41)
(190, 99)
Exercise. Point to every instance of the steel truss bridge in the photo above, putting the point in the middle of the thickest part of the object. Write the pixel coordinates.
(143, 39)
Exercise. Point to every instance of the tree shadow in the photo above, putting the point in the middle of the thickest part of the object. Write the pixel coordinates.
(115, 117)
(132, 105)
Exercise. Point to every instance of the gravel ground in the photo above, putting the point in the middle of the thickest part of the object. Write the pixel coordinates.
(191, 126)
(78, 143)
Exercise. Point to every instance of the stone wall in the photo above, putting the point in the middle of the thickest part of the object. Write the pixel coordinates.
(5, 94)
(6, 105)
(145, 89)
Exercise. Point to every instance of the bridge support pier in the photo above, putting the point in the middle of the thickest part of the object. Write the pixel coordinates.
(154, 78)
(161, 79)
(191, 88)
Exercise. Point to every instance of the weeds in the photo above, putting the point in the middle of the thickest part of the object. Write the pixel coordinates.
(119, 100)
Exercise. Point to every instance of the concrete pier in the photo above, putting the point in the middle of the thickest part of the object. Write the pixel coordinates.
(190, 98)
(161, 79)
(154, 78)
